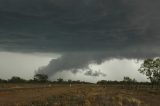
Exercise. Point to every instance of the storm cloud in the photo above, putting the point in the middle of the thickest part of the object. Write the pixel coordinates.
(96, 73)
(83, 31)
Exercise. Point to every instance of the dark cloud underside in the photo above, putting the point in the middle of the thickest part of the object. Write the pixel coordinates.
(89, 29)
(66, 25)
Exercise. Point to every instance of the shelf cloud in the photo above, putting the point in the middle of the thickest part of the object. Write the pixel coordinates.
(82, 31)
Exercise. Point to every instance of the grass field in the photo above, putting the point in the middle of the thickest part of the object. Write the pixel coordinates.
(76, 95)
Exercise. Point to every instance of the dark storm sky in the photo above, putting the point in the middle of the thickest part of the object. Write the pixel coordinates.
(82, 31)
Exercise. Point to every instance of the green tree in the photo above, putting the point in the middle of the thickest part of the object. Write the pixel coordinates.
(3, 81)
(151, 68)
(129, 82)
(60, 80)
(16, 79)
(127, 79)
(41, 78)
(69, 81)
(102, 82)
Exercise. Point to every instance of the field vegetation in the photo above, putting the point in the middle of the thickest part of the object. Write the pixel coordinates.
(76, 95)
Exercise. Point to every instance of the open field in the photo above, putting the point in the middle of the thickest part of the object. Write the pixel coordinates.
(76, 95)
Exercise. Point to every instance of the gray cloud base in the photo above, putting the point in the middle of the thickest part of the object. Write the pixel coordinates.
(83, 31)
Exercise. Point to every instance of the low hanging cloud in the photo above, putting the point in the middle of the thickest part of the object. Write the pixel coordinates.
(80, 61)
(95, 74)
(83, 31)
(72, 62)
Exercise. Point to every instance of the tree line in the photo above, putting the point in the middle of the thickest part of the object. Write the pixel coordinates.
(41, 78)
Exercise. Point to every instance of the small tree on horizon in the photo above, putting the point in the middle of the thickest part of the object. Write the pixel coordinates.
(60, 80)
(16, 79)
(128, 79)
(41, 77)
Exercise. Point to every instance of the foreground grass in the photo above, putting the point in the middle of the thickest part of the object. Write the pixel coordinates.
(77, 95)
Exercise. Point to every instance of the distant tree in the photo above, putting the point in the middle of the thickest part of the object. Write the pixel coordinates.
(41, 78)
(60, 80)
(102, 82)
(78, 81)
(127, 79)
(151, 68)
(3, 81)
(69, 81)
(16, 79)
(129, 82)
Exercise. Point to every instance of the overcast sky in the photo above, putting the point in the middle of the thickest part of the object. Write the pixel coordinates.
(83, 39)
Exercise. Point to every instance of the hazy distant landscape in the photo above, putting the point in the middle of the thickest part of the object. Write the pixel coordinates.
(79, 52)
(40, 91)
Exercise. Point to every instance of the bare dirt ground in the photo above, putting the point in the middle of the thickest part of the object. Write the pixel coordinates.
(77, 95)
